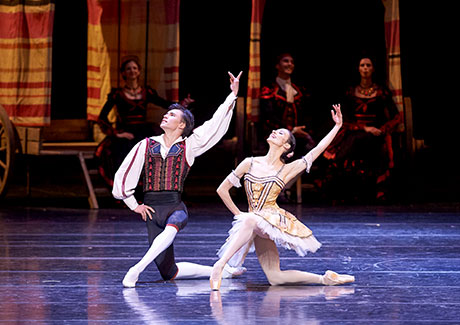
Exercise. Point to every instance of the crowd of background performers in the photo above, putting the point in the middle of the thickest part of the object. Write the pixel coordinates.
(358, 162)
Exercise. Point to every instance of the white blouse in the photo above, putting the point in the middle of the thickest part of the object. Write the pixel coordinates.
(202, 139)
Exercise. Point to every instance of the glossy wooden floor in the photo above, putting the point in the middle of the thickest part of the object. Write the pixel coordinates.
(66, 266)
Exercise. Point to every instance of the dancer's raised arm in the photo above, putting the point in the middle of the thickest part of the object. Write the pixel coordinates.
(235, 82)
(210, 132)
(295, 167)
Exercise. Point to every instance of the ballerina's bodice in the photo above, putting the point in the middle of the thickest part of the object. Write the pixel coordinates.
(262, 193)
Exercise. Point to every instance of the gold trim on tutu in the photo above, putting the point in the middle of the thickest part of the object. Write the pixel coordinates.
(300, 244)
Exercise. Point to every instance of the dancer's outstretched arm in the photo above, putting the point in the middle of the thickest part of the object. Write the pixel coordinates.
(207, 135)
(233, 180)
(297, 166)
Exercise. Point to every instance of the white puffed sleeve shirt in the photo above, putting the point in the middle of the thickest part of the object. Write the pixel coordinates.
(201, 140)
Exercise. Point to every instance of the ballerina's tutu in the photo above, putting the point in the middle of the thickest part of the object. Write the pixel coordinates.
(278, 225)
(272, 221)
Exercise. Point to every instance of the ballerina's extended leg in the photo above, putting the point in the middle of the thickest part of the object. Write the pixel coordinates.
(244, 235)
(268, 256)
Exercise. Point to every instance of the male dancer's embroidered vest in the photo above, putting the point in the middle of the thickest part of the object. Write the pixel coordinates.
(165, 174)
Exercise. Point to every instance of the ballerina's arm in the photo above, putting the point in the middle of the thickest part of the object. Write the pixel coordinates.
(233, 180)
(297, 166)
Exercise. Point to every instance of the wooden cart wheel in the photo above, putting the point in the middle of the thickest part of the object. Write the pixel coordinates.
(7, 149)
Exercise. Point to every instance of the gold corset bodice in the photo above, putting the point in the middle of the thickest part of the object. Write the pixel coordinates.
(262, 192)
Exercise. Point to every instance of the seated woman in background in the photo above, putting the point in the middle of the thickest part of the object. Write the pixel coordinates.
(364, 143)
(131, 124)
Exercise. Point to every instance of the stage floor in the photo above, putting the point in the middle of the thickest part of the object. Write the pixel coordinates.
(66, 265)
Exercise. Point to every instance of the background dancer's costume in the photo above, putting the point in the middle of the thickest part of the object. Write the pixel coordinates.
(278, 110)
(164, 172)
(276, 223)
(354, 146)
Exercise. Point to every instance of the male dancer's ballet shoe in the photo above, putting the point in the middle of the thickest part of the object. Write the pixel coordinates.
(130, 279)
(230, 272)
(331, 278)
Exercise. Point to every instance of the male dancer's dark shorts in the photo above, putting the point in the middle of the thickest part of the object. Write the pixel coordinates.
(169, 211)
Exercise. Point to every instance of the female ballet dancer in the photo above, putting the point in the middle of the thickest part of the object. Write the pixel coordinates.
(266, 225)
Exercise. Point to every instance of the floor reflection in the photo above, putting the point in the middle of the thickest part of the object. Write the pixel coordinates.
(146, 313)
(66, 265)
(166, 309)
(271, 306)
(234, 304)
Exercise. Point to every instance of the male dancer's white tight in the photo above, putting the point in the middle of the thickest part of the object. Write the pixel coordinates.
(186, 270)
(159, 244)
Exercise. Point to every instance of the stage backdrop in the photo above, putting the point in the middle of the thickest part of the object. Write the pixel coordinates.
(393, 60)
(26, 30)
(146, 28)
(392, 37)
(252, 101)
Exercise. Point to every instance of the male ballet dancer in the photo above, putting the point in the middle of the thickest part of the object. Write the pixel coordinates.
(165, 161)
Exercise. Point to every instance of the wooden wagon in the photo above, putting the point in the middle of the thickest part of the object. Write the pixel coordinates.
(41, 141)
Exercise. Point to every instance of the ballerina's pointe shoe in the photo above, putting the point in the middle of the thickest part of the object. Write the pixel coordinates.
(215, 278)
(331, 278)
(215, 282)
(130, 279)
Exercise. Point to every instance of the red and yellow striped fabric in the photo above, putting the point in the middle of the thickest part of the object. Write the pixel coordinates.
(252, 100)
(98, 66)
(394, 53)
(147, 29)
(164, 48)
(26, 29)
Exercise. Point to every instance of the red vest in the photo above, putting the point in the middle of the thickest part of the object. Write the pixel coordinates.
(165, 174)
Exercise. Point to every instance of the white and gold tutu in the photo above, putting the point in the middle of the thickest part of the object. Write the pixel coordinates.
(275, 223)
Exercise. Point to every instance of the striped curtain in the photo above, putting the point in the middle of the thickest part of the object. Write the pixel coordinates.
(393, 52)
(26, 30)
(163, 48)
(252, 100)
(148, 29)
(98, 66)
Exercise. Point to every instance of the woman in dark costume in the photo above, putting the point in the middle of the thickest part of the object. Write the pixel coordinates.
(365, 142)
(131, 118)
